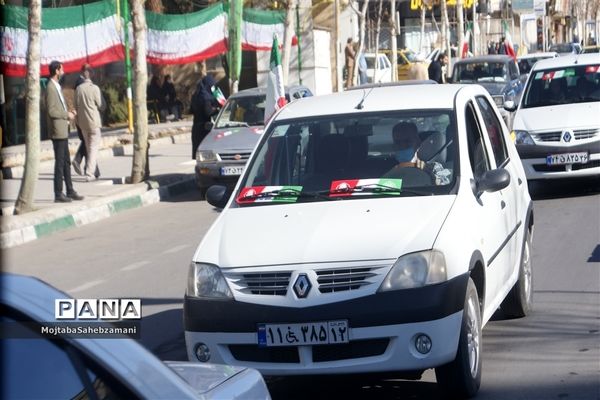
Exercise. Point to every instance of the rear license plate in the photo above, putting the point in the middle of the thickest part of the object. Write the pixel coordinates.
(309, 333)
(228, 171)
(567, 158)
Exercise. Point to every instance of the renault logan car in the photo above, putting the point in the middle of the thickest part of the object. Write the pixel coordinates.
(223, 153)
(557, 123)
(372, 232)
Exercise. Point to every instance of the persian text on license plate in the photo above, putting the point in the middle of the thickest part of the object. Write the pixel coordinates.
(232, 170)
(309, 333)
(567, 158)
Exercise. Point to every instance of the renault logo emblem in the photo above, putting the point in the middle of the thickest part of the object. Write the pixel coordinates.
(302, 286)
(237, 157)
(567, 136)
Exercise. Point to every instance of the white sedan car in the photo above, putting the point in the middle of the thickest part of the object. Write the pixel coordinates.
(372, 232)
(557, 123)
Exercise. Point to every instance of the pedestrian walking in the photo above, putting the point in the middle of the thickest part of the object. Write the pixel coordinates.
(435, 68)
(204, 106)
(81, 152)
(58, 117)
(349, 64)
(88, 104)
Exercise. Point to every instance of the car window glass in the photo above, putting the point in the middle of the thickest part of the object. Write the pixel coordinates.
(39, 368)
(241, 111)
(514, 72)
(313, 153)
(477, 151)
(494, 130)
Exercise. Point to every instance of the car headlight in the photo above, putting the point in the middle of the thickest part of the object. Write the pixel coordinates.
(206, 280)
(522, 137)
(206, 155)
(415, 270)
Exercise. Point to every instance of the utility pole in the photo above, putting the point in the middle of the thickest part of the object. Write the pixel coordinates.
(128, 66)
(460, 29)
(235, 44)
(476, 31)
(336, 44)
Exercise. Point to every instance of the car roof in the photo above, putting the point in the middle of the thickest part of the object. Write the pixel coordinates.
(567, 61)
(488, 58)
(258, 91)
(407, 82)
(125, 357)
(546, 54)
(387, 98)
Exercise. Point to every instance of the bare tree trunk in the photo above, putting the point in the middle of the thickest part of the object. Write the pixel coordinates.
(288, 34)
(422, 27)
(32, 122)
(377, 30)
(476, 31)
(361, 33)
(140, 168)
(394, 41)
(460, 28)
(446, 36)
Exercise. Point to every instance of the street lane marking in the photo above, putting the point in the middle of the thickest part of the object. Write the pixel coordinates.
(190, 162)
(176, 249)
(135, 265)
(86, 286)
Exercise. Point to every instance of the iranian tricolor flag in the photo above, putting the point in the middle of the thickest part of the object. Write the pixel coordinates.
(218, 95)
(353, 187)
(508, 44)
(464, 48)
(260, 194)
(275, 92)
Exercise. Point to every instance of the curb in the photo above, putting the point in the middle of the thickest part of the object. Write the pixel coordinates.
(141, 196)
(16, 172)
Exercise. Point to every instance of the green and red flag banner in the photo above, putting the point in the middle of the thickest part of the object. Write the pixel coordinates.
(508, 44)
(252, 194)
(352, 187)
(218, 95)
(93, 33)
(275, 91)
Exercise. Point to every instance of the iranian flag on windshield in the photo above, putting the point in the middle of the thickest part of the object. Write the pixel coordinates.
(355, 187)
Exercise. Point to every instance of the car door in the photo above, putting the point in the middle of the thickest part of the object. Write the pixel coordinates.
(511, 200)
(489, 208)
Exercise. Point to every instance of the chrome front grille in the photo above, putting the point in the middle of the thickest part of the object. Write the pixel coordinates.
(343, 279)
(581, 134)
(234, 156)
(262, 283)
(554, 136)
(547, 136)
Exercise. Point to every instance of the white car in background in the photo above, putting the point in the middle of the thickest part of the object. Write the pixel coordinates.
(382, 72)
(557, 124)
(373, 231)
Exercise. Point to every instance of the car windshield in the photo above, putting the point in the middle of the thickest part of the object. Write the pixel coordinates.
(526, 64)
(565, 85)
(480, 72)
(242, 111)
(409, 153)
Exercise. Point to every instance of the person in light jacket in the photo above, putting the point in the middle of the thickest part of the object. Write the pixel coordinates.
(89, 104)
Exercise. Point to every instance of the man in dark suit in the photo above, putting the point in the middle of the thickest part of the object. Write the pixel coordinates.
(58, 118)
(435, 68)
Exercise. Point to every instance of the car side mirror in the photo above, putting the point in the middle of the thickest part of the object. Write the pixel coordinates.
(510, 106)
(492, 181)
(218, 196)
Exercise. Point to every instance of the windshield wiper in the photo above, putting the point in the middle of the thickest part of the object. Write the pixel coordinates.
(376, 188)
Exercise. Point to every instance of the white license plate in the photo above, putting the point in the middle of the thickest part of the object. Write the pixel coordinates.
(567, 158)
(309, 333)
(232, 170)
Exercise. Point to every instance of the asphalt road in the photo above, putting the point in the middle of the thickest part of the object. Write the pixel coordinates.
(552, 354)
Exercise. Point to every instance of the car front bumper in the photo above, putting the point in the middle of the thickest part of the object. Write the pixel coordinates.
(210, 173)
(382, 331)
(533, 158)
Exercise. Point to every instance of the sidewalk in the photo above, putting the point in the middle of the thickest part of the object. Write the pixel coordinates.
(171, 173)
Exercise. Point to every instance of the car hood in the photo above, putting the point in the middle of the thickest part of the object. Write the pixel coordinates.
(234, 138)
(557, 117)
(365, 229)
(215, 381)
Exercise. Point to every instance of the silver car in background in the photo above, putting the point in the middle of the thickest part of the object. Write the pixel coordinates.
(222, 155)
